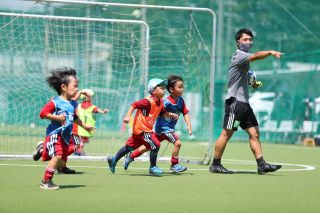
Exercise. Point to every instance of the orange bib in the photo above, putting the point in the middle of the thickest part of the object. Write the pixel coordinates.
(144, 123)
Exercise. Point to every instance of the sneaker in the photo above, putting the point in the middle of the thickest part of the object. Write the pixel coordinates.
(48, 185)
(126, 162)
(268, 168)
(38, 152)
(177, 168)
(66, 170)
(155, 171)
(112, 165)
(219, 169)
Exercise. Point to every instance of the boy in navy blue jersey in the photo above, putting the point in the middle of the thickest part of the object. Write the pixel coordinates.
(165, 126)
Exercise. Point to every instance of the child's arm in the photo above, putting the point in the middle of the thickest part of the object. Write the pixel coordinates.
(187, 119)
(126, 119)
(87, 127)
(59, 118)
(171, 115)
(77, 96)
(46, 113)
(101, 111)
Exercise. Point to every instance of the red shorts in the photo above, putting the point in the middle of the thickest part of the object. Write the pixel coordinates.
(75, 140)
(84, 139)
(54, 145)
(148, 139)
(170, 136)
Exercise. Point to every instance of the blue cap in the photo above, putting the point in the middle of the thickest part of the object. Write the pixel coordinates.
(154, 82)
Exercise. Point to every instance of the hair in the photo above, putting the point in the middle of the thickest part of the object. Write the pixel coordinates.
(172, 80)
(60, 76)
(243, 31)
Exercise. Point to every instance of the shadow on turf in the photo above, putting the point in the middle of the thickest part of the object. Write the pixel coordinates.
(255, 173)
(245, 172)
(71, 186)
(168, 174)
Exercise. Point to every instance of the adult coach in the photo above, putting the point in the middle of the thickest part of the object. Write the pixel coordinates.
(238, 112)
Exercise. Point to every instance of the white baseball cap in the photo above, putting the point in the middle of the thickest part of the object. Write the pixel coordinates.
(154, 82)
(89, 93)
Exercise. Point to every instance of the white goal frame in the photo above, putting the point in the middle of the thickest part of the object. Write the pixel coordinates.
(176, 8)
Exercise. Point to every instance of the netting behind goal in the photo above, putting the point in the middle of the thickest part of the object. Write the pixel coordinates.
(177, 46)
(107, 57)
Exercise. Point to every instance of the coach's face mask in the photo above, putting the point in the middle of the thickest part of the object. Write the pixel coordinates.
(245, 47)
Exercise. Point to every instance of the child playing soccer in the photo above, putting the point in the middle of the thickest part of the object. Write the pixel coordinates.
(86, 111)
(147, 112)
(73, 145)
(60, 110)
(165, 127)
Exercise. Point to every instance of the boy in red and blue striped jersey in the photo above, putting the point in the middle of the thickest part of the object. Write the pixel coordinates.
(61, 111)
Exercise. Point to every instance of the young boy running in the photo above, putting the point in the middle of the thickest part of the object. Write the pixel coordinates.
(60, 110)
(147, 112)
(165, 127)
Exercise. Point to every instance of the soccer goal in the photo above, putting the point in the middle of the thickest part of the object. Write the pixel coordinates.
(109, 55)
(178, 45)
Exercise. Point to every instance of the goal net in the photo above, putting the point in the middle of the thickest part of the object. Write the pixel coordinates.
(109, 56)
(177, 46)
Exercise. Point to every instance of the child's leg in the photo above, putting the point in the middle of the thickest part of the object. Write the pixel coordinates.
(53, 164)
(175, 152)
(136, 153)
(122, 152)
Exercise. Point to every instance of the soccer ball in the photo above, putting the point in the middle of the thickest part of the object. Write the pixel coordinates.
(251, 75)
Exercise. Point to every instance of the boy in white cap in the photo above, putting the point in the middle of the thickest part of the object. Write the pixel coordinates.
(148, 109)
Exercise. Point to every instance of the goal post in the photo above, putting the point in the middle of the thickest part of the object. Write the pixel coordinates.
(165, 29)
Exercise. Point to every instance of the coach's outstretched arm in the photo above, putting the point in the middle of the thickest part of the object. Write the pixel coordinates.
(264, 54)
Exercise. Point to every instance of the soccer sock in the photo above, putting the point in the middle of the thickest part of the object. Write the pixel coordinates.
(136, 153)
(260, 161)
(122, 152)
(153, 158)
(174, 160)
(48, 174)
(216, 161)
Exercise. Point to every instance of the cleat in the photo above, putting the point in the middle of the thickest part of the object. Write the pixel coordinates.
(48, 185)
(155, 171)
(268, 168)
(177, 168)
(219, 169)
(66, 170)
(112, 165)
(38, 152)
(126, 162)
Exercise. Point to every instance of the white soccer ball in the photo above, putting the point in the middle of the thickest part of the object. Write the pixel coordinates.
(251, 75)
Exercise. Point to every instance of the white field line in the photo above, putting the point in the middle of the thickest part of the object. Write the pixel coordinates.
(234, 162)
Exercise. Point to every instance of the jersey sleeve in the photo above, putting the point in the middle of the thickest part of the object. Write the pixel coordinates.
(95, 109)
(185, 110)
(142, 104)
(47, 109)
(241, 58)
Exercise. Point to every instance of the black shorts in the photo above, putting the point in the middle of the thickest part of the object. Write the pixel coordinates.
(237, 113)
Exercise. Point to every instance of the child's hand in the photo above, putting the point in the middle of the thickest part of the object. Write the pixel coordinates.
(61, 118)
(89, 128)
(173, 115)
(126, 119)
(105, 111)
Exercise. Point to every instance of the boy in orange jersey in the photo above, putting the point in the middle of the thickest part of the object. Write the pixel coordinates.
(148, 109)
